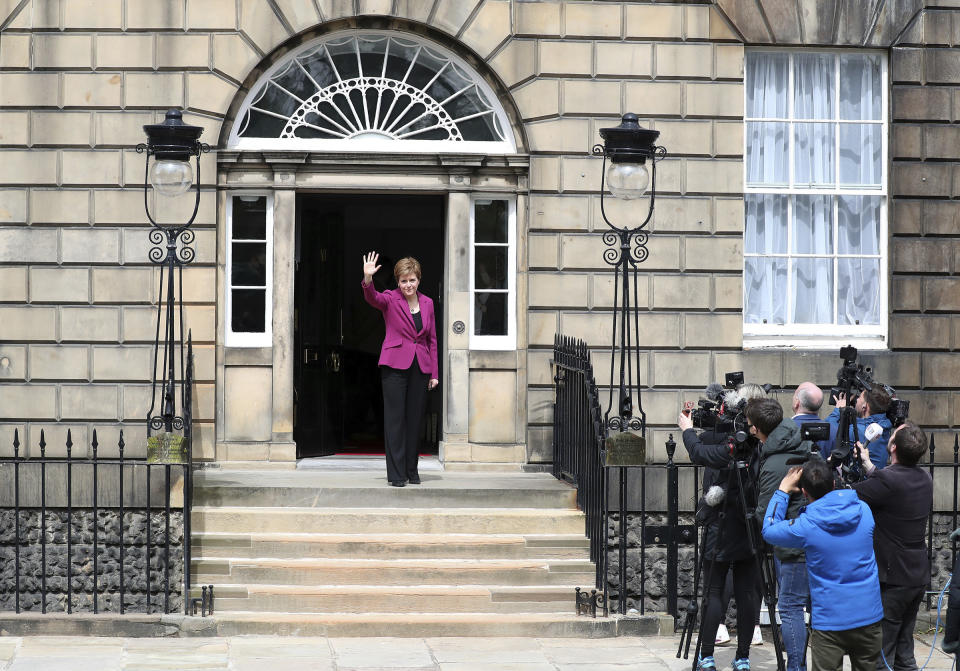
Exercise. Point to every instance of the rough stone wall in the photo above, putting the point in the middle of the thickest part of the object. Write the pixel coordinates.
(80, 562)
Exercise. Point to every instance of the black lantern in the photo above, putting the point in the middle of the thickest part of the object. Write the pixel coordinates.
(632, 156)
(171, 144)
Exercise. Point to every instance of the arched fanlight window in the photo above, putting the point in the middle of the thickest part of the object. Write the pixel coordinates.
(367, 91)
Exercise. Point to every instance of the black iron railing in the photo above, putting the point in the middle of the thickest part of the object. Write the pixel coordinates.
(641, 517)
(94, 533)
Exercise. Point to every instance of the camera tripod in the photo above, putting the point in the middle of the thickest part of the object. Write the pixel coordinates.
(740, 470)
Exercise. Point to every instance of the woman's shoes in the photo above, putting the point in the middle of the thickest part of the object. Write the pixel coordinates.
(415, 480)
(398, 483)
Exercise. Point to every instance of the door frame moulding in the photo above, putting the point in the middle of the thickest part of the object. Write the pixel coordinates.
(457, 176)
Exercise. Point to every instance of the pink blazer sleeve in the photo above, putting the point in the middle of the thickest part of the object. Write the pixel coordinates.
(374, 297)
(432, 345)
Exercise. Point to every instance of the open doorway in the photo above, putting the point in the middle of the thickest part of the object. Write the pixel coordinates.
(338, 405)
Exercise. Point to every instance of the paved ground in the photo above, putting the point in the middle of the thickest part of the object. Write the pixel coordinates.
(341, 654)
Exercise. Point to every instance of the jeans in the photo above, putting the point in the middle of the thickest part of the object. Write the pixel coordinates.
(794, 596)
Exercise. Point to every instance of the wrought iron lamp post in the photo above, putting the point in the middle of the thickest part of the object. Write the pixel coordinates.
(172, 144)
(630, 171)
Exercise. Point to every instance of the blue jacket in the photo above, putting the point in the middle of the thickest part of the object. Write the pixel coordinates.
(877, 446)
(836, 531)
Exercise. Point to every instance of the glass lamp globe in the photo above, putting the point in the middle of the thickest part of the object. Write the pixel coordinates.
(628, 180)
(171, 178)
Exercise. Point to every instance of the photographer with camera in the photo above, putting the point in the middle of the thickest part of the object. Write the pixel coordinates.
(900, 497)
(871, 407)
(781, 444)
(806, 403)
(835, 530)
(727, 545)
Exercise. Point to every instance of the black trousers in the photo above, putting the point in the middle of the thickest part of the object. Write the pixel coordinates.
(900, 605)
(404, 400)
(745, 593)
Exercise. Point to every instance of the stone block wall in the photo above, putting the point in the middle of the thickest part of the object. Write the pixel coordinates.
(79, 79)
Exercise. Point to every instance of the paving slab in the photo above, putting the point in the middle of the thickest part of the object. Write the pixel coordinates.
(370, 653)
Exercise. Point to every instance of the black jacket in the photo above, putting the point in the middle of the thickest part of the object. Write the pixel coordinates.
(708, 449)
(782, 444)
(900, 498)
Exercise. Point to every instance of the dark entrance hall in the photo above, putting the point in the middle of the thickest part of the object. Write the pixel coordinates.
(338, 406)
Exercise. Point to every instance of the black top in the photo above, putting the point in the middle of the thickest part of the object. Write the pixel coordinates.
(418, 321)
(901, 498)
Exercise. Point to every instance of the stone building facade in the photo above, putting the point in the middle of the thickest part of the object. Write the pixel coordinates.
(79, 79)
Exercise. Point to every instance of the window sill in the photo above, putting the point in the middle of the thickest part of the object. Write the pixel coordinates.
(808, 342)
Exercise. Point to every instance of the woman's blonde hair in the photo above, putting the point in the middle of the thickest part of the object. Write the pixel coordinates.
(405, 266)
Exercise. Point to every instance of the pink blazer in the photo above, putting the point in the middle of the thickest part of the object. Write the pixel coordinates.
(402, 340)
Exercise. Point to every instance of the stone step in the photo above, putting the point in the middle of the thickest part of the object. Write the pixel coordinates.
(341, 571)
(312, 489)
(388, 520)
(372, 546)
(340, 625)
(431, 625)
(393, 599)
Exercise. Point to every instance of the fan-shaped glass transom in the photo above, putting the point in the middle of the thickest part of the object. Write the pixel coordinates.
(367, 90)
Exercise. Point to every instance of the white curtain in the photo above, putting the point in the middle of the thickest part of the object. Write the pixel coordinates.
(767, 151)
(765, 275)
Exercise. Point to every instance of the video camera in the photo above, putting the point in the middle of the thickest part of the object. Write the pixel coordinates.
(854, 378)
(723, 413)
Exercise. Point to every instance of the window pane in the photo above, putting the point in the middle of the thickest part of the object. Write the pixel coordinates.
(767, 153)
(765, 290)
(490, 268)
(250, 218)
(490, 314)
(858, 291)
(813, 154)
(813, 291)
(767, 79)
(766, 224)
(812, 225)
(859, 224)
(490, 221)
(249, 311)
(813, 86)
(860, 86)
(860, 154)
(249, 264)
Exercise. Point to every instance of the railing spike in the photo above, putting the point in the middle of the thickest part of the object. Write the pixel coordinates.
(94, 444)
(69, 443)
(43, 444)
(121, 444)
(956, 448)
(16, 442)
(933, 445)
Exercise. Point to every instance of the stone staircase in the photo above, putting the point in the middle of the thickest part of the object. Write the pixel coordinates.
(340, 553)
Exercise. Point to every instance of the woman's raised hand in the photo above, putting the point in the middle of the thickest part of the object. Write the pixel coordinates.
(370, 266)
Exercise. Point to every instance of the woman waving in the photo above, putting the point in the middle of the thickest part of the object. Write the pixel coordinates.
(408, 363)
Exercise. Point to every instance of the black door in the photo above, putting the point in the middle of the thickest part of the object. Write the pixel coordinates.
(338, 403)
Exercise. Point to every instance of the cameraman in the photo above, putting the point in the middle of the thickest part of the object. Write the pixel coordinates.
(781, 443)
(900, 497)
(726, 544)
(871, 407)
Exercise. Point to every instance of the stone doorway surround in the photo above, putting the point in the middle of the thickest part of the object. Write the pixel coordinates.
(254, 397)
